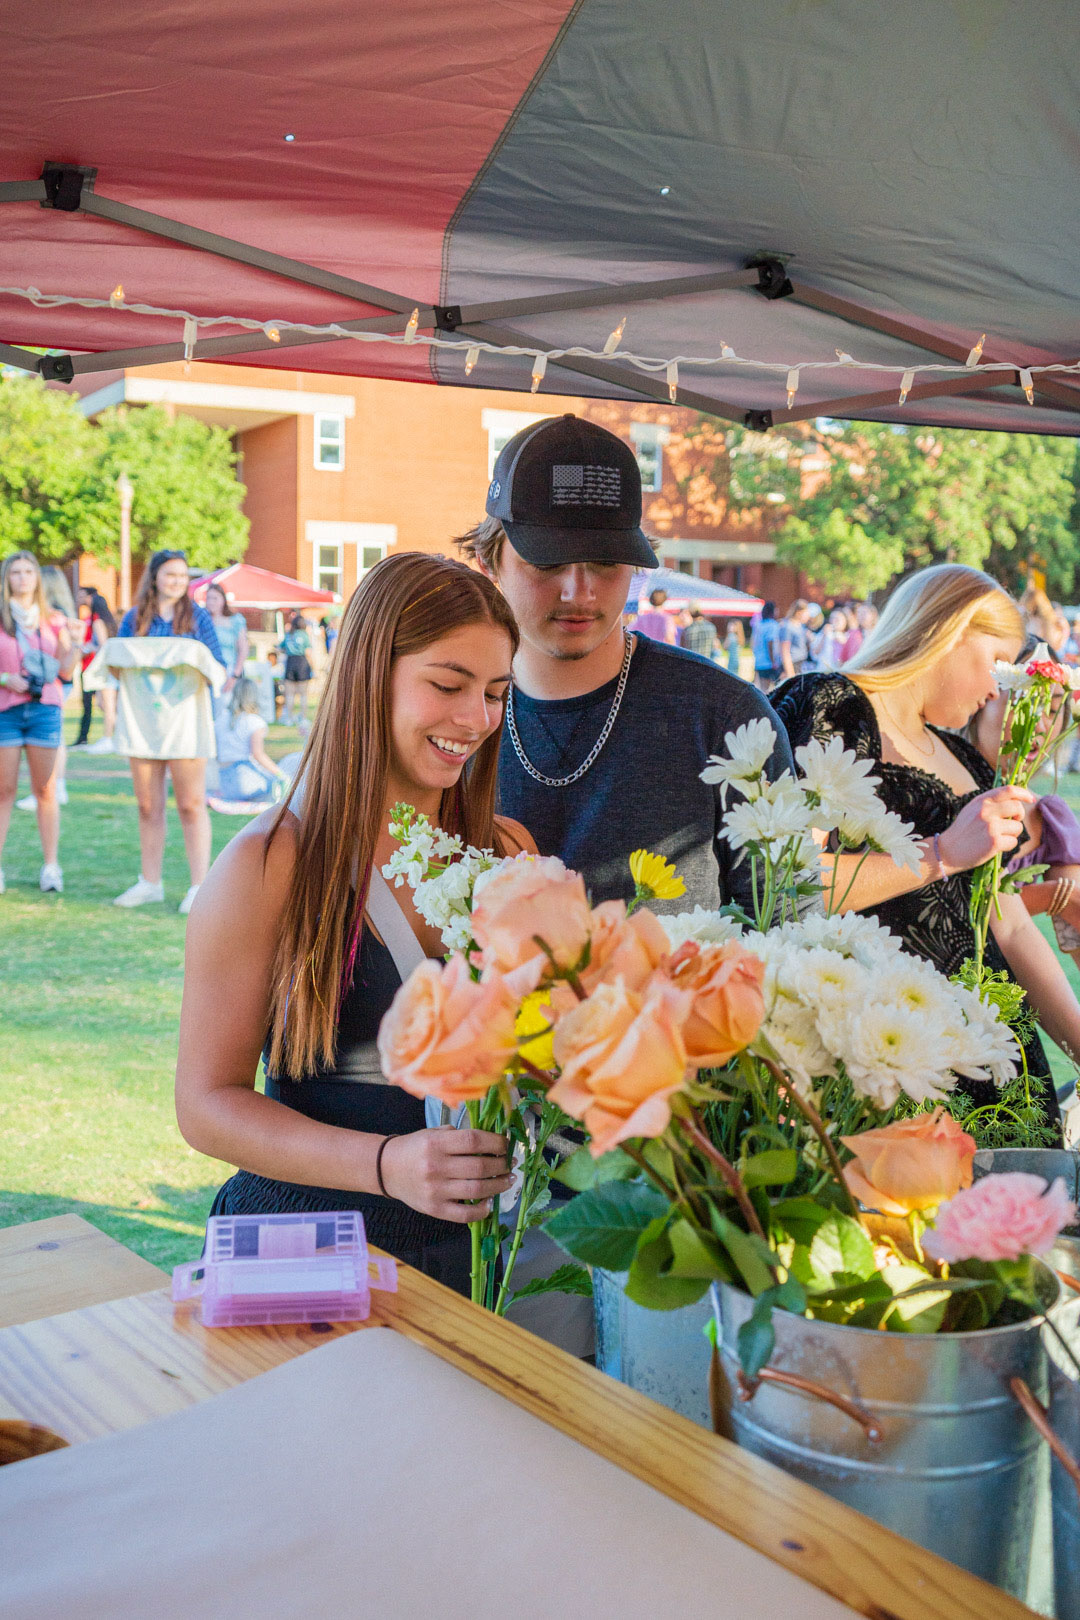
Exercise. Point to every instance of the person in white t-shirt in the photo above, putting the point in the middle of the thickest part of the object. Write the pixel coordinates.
(246, 773)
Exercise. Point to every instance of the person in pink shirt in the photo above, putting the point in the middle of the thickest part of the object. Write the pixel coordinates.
(655, 623)
(36, 653)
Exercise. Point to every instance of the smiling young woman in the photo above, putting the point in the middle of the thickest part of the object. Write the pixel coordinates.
(298, 935)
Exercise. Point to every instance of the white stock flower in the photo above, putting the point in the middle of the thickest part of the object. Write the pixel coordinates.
(1012, 677)
(706, 927)
(779, 814)
(748, 752)
(839, 783)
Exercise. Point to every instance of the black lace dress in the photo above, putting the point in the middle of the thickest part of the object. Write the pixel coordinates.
(932, 922)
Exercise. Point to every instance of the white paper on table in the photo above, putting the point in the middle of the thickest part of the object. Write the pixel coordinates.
(365, 1479)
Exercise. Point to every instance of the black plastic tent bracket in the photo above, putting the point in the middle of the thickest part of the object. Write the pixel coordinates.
(64, 186)
(758, 421)
(447, 317)
(57, 368)
(772, 278)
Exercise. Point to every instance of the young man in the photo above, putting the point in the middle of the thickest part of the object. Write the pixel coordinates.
(699, 636)
(606, 732)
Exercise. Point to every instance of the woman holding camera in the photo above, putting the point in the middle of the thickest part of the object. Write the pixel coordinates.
(36, 654)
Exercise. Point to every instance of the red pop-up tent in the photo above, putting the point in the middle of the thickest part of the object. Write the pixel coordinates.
(259, 589)
(796, 208)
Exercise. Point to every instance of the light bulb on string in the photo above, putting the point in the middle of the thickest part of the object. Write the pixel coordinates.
(727, 352)
(1028, 386)
(273, 334)
(411, 325)
(191, 335)
(116, 297)
(615, 337)
(844, 358)
(975, 354)
(792, 386)
(470, 360)
(905, 386)
(538, 370)
(673, 381)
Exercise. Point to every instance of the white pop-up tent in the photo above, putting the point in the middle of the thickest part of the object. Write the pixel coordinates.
(797, 208)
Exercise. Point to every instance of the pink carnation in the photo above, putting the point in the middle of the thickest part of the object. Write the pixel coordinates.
(1000, 1218)
(1050, 671)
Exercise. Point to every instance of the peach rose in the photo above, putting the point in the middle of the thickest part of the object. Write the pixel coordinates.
(622, 1057)
(728, 1004)
(620, 947)
(530, 898)
(911, 1164)
(445, 1035)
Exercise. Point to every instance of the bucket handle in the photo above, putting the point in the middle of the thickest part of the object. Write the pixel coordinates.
(1039, 1416)
(748, 1388)
(1070, 1282)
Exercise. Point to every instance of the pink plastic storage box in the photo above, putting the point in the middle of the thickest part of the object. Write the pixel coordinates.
(284, 1268)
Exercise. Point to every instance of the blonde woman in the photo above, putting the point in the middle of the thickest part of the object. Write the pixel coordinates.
(916, 680)
(36, 654)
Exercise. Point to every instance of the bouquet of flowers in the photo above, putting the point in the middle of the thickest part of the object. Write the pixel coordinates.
(1031, 731)
(475, 1034)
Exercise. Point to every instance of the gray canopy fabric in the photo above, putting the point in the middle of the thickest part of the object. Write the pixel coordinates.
(891, 182)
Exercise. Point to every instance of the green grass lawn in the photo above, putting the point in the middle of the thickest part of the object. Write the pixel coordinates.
(88, 1025)
(88, 1022)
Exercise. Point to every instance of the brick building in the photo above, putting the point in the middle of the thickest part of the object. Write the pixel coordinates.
(341, 471)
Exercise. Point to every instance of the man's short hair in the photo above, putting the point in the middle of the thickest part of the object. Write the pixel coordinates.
(657, 597)
(483, 543)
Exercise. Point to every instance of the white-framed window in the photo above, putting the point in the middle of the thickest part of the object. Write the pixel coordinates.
(502, 425)
(329, 441)
(328, 568)
(648, 440)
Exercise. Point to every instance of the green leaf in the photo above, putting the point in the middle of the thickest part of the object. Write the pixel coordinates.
(752, 1258)
(601, 1227)
(773, 1167)
(693, 1254)
(841, 1245)
(581, 1171)
(799, 1218)
(568, 1279)
(651, 1282)
(757, 1338)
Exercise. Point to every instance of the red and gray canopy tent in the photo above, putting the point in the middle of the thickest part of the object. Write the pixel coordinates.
(783, 182)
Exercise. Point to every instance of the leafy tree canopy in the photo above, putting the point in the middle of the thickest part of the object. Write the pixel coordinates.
(58, 477)
(900, 498)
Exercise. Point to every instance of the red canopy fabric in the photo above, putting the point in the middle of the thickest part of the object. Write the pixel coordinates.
(249, 587)
(888, 183)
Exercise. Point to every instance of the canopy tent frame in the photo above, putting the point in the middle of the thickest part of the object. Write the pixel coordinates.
(70, 188)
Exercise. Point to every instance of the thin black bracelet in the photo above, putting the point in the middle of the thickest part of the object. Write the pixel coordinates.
(378, 1166)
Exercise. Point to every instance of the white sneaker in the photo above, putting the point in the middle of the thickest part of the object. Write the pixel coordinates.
(51, 878)
(30, 802)
(104, 745)
(141, 893)
(188, 901)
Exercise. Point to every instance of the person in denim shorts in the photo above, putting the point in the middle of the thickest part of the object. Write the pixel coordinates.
(36, 654)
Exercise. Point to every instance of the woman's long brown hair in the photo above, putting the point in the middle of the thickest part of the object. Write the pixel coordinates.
(401, 606)
(147, 606)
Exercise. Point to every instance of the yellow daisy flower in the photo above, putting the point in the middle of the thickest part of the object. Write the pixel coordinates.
(534, 1018)
(655, 877)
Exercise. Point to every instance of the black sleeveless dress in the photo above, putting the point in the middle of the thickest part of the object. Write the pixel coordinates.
(932, 922)
(336, 1096)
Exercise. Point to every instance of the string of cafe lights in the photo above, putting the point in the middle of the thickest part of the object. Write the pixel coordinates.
(193, 326)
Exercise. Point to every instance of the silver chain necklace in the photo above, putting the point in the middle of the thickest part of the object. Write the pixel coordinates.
(565, 781)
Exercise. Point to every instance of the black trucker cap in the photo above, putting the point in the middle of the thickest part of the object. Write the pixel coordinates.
(566, 490)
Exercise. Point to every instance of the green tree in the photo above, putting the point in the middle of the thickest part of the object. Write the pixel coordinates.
(49, 497)
(187, 496)
(896, 498)
(58, 477)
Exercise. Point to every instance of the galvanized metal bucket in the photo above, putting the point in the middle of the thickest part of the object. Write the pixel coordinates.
(920, 1431)
(1061, 1426)
(664, 1354)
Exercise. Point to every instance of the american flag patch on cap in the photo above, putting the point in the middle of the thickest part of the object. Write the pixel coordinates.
(577, 485)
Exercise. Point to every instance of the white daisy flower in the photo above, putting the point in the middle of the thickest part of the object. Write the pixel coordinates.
(837, 782)
(782, 815)
(748, 752)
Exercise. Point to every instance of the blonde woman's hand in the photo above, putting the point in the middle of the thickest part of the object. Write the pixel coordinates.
(988, 825)
(451, 1174)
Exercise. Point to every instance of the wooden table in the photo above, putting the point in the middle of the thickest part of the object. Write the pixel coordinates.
(64, 1263)
(110, 1366)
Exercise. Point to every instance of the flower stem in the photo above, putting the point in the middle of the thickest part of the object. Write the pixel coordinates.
(814, 1120)
(540, 1075)
(654, 1175)
(731, 1176)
